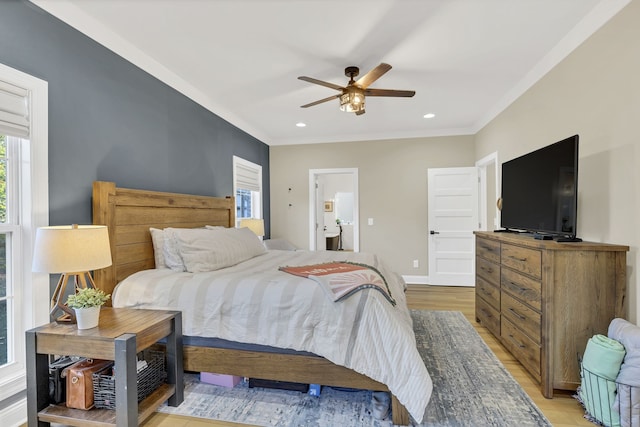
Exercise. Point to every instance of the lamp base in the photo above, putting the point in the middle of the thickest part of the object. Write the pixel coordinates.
(68, 315)
(63, 318)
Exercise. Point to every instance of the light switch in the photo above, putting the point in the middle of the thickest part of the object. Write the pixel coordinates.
(370, 221)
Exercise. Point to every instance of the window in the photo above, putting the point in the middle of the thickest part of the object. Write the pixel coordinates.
(8, 239)
(247, 187)
(4, 296)
(24, 206)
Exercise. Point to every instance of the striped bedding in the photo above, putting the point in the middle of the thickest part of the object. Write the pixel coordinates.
(253, 302)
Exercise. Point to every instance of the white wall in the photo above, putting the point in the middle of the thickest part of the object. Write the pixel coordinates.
(594, 92)
(392, 179)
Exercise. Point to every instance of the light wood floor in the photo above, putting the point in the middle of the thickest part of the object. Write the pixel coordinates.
(562, 410)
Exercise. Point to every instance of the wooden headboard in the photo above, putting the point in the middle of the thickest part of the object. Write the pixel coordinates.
(129, 214)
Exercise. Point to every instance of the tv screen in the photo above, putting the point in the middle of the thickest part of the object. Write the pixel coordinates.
(540, 190)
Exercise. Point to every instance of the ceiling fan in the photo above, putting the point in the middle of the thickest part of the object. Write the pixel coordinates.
(352, 96)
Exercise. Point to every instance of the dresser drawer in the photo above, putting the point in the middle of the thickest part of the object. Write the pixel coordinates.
(521, 346)
(488, 271)
(524, 317)
(489, 292)
(525, 260)
(488, 316)
(488, 249)
(522, 287)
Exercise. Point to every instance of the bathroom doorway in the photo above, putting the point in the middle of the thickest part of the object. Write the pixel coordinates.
(333, 213)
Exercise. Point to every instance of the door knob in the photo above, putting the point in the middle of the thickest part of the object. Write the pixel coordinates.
(434, 232)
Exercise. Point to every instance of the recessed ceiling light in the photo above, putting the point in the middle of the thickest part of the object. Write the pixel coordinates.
(429, 116)
(301, 125)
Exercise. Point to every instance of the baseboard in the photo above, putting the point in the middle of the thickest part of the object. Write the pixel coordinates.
(455, 285)
(416, 280)
(424, 280)
(15, 415)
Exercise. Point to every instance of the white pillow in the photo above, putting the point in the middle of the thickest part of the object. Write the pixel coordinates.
(213, 249)
(170, 253)
(172, 258)
(158, 238)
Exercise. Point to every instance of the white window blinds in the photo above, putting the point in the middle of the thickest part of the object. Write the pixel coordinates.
(248, 176)
(14, 110)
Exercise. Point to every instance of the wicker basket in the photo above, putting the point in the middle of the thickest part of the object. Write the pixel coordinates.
(593, 393)
(149, 379)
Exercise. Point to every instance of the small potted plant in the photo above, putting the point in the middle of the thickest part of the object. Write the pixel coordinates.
(86, 303)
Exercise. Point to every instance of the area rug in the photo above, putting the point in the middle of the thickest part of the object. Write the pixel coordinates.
(471, 387)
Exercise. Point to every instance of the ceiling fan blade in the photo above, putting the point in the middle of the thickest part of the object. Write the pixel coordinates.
(320, 101)
(373, 75)
(390, 92)
(360, 112)
(320, 82)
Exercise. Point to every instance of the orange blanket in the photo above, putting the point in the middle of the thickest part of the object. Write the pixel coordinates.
(342, 279)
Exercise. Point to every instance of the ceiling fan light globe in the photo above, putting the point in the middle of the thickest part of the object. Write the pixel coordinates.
(352, 100)
(345, 104)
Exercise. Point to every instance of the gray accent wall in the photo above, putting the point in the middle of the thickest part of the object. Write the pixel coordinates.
(111, 121)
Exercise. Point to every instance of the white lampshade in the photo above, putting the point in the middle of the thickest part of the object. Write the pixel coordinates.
(71, 249)
(255, 225)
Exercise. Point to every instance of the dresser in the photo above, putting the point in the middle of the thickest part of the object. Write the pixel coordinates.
(543, 300)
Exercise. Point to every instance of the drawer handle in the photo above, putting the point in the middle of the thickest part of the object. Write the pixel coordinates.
(519, 287)
(518, 259)
(486, 313)
(518, 315)
(518, 343)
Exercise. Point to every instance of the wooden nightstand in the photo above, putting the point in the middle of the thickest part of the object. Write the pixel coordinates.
(121, 334)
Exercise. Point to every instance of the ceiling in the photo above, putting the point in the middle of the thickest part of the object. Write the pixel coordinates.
(466, 59)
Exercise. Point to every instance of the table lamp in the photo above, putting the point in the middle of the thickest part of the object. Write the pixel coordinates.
(253, 224)
(71, 251)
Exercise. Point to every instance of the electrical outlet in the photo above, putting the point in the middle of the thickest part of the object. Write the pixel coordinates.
(416, 263)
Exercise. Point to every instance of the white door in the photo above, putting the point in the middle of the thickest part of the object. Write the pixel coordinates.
(453, 216)
(321, 241)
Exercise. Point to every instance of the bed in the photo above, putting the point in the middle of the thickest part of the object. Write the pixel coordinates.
(129, 215)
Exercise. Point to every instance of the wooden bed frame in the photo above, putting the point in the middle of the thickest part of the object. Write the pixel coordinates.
(129, 214)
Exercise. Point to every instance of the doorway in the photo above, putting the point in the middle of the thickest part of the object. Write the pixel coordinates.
(489, 192)
(334, 209)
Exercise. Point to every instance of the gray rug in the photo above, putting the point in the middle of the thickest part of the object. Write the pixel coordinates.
(470, 388)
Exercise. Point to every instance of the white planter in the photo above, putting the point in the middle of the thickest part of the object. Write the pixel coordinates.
(87, 318)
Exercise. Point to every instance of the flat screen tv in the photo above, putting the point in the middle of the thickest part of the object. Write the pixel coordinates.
(540, 192)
